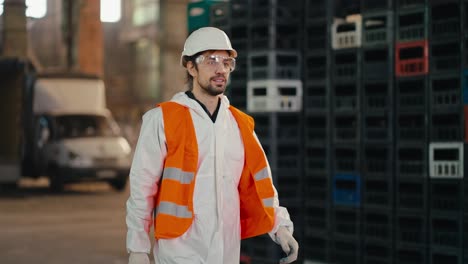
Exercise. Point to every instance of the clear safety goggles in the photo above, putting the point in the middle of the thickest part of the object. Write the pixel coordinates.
(214, 61)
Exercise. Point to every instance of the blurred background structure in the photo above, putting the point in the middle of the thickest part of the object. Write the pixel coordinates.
(361, 106)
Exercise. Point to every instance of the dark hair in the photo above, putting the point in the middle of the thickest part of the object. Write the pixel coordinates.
(190, 77)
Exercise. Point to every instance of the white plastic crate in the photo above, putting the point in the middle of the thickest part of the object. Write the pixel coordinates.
(347, 33)
(446, 160)
(273, 95)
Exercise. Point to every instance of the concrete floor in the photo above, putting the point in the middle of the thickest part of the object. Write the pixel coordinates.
(85, 224)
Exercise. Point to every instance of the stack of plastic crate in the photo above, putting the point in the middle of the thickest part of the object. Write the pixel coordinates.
(317, 177)
(274, 95)
(411, 105)
(446, 129)
(239, 14)
(377, 139)
(345, 125)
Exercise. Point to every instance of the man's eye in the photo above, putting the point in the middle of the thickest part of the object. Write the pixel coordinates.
(212, 61)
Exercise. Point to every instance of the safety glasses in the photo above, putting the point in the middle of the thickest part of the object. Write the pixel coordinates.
(213, 61)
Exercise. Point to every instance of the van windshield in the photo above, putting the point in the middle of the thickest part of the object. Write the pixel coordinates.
(74, 126)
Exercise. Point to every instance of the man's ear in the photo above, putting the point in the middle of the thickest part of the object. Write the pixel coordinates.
(191, 68)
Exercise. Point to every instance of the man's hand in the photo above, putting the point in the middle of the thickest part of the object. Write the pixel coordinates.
(138, 258)
(288, 244)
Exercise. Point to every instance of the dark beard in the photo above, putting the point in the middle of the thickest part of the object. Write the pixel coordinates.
(213, 90)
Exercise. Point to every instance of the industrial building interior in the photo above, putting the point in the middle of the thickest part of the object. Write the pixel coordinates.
(361, 106)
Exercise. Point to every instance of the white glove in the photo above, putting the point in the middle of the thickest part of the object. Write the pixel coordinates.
(288, 244)
(138, 258)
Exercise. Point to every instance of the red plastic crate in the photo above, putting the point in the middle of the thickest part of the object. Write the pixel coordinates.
(411, 58)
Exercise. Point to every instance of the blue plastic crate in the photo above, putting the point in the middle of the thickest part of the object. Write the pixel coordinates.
(347, 189)
(465, 86)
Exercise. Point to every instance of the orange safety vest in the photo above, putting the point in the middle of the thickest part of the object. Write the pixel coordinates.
(174, 200)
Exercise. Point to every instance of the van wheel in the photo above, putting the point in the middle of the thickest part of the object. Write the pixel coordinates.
(119, 183)
(57, 184)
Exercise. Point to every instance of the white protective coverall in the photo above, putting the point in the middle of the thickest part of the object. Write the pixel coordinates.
(214, 236)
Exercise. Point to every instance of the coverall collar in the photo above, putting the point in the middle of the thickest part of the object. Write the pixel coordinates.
(215, 113)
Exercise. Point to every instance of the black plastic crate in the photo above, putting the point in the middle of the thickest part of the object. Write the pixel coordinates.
(445, 20)
(377, 96)
(316, 66)
(273, 65)
(377, 193)
(411, 24)
(288, 158)
(465, 197)
(446, 231)
(411, 194)
(376, 5)
(316, 128)
(447, 127)
(281, 11)
(317, 219)
(446, 196)
(445, 93)
(316, 248)
(445, 57)
(346, 128)
(378, 225)
(411, 161)
(411, 230)
(411, 94)
(465, 236)
(239, 39)
(346, 65)
(346, 158)
(239, 11)
(238, 96)
(377, 64)
(345, 222)
(378, 161)
(345, 250)
(316, 188)
(316, 9)
(411, 127)
(316, 160)
(444, 256)
(284, 36)
(316, 36)
(315, 97)
(261, 249)
(345, 8)
(296, 213)
(411, 255)
(345, 97)
(377, 128)
(409, 3)
(288, 127)
(263, 125)
(377, 28)
(380, 253)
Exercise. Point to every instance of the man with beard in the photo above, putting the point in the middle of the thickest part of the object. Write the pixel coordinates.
(200, 167)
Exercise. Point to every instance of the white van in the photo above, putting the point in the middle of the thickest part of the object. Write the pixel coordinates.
(75, 137)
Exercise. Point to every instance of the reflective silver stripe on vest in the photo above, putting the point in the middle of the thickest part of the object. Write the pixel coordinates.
(173, 209)
(268, 202)
(178, 175)
(262, 174)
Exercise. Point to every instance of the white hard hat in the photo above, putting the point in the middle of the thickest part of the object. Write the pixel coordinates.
(206, 38)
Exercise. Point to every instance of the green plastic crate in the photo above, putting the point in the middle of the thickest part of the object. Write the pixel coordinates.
(207, 13)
